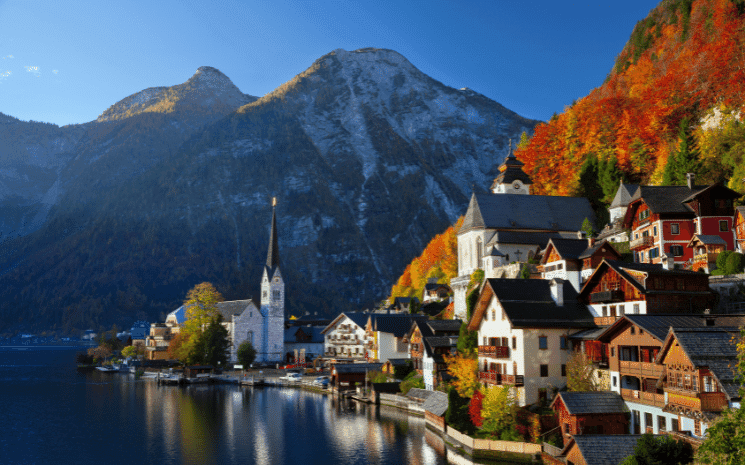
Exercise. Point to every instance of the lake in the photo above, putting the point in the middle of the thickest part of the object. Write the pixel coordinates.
(53, 414)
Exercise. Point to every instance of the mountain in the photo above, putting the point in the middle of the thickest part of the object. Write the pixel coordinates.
(369, 158)
(672, 102)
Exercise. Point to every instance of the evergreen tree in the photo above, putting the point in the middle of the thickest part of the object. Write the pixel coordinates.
(246, 354)
(610, 177)
(684, 160)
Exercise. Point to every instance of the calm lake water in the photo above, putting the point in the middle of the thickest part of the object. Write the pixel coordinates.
(52, 414)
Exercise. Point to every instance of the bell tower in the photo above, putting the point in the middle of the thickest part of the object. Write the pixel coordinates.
(273, 297)
(511, 178)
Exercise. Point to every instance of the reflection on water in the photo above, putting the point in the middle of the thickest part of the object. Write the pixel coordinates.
(52, 414)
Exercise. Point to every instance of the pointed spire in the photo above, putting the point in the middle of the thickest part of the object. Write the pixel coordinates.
(272, 257)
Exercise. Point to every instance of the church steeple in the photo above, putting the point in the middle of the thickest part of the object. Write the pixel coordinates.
(511, 178)
(272, 256)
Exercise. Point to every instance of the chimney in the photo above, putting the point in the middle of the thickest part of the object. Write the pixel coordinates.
(691, 178)
(557, 291)
(590, 242)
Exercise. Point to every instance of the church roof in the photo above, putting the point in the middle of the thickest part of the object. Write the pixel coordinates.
(272, 257)
(511, 170)
(233, 307)
(532, 212)
(623, 195)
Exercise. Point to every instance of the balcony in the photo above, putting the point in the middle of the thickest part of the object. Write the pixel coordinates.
(641, 397)
(640, 369)
(607, 296)
(494, 351)
(492, 377)
(605, 320)
(641, 243)
(698, 401)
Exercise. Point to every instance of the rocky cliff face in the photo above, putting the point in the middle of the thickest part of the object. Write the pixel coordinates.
(368, 157)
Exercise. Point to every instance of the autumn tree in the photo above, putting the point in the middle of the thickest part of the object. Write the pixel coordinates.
(581, 373)
(464, 369)
(201, 309)
(474, 409)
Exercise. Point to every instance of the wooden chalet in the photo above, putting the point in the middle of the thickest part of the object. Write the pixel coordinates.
(617, 288)
(705, 251)
(589, 412)
(574, 259)
(700, 371)
(346, 375)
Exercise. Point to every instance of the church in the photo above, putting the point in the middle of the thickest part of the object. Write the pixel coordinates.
(262, 325)
(508, 225)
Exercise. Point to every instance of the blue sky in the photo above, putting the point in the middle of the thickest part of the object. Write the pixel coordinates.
(66, 62)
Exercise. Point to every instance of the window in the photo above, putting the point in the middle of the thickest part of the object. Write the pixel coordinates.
(661, 423)
(543, 342)
(620, 310)
(615, 381)
(276, 295)
(676, 250)
(654, 231)
(250, 337)
(494, 315)
(544, 371)
(674, 426)
(675, 228)
(605, 310)
(514, 342)
(613, 351)
(563, 370)
(633, 330)
(654, 253)
(697, 427)
(484, 342)
(643, 215)
(648, 421)
(563, 343)
(636, 309)
(723, 226)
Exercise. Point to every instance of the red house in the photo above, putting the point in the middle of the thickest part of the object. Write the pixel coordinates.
(663, 219)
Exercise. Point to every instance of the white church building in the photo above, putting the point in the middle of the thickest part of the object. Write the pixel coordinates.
(261, 325)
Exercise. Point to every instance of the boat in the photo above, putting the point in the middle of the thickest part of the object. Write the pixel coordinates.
(107, 369)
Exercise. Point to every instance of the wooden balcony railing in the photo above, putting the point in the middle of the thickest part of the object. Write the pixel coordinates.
(646, 369)
(647, 398)
(605, 320)
(705, 258)
(606, 296)
(642, 242)
(492, 377)
(494, 351)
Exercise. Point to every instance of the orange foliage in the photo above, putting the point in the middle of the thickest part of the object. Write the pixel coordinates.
(438, 260)
(688, 67)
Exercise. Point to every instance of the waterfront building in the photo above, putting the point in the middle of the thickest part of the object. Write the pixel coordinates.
(509, 224)
(160, 335)
(523, 332)
(663, 219)
(429, 341)
(139, 332)
(345, 338)
(386, 335)
(303, 343)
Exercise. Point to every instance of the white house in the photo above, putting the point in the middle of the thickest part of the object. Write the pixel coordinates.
(523, 332)
(387, 333)
(345, 337)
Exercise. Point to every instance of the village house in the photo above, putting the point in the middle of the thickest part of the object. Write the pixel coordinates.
(511, 225)
(523, 332)
(590, 412)
(139, 331)
(618, 288)
(699, 374)
(429, 341)
(635, 342)
(574, 259)
(386, 335)
(303, 344)
(161, 334)
(706, 248)
(434, 291)
(345, 376)
(663, 219)
(345, 338)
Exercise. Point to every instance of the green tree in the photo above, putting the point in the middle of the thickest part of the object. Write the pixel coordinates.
(214, 344)
(734, 263)
(580, 373)
(246, 354)
(683, 160)
(129, 351)
(610, 178)
(588, 228)
(467, 340)
(665, 450)
(457, 414)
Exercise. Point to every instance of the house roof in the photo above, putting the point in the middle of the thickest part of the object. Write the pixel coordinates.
(568, 249)
(421, 394)
(179, 314)
(435, 286)
(579, 403)
(589, 334)
(707, 239)
(603, 449)
(436, 403)
(647, 268)
(723, 191)
(358, 318)
(445, 326)
(433, 308)
(711, 347)
(666, 199)
(233, 307)
(590, 251)
(623, 195)
(345, 368)
(538, 212)
(538, 238)
(528, 303)
(396, 324)
(658, 325)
